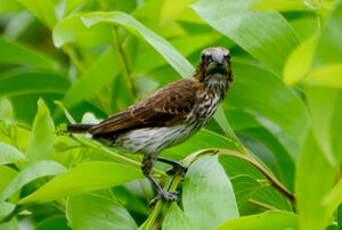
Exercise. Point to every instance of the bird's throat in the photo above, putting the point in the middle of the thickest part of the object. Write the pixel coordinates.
(217, 83)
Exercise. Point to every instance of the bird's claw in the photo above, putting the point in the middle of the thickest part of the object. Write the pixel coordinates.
(171, 196)
(177, 168)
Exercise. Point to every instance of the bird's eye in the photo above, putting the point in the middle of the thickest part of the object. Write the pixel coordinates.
(209, 58)
(203, 57)
(227, 56)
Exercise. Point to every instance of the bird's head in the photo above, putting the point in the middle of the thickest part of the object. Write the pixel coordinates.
(214, 68)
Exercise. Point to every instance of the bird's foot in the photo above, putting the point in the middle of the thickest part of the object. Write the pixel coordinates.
(177, 168)
(171, 196)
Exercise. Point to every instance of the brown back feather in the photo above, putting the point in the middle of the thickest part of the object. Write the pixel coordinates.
(166, 107)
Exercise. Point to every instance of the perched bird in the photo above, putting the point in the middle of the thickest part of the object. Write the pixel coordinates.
(168, 117)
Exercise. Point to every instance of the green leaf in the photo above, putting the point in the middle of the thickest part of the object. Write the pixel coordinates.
(84, 178)
(322, 103)
(326, 76)
(5, 209)
(30, 82)
(11, 225)
(280, 5)
(310, 193)
(6, 110)
(53, 223)
(9, 154)
(42, 137)
(237, 169)
(7, 175)
(299, 62)
(149, 59)
(208, 196)
(14, 53)
(87, 86)
(8, 6)
(44, 10)
(94, 211)
(269, 101)
(244, 188)
(333, 199)
(329, 46)
(72, 30)
(221, 119)
(72, 4)
(265, 221)
(30, 173)
(265, 35)
(176, 219)
(203, 139)
(176, 60)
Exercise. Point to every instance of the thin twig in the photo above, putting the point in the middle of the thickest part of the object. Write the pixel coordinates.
(125, 61)
(276, 183)
(263, 205)
(72, 55)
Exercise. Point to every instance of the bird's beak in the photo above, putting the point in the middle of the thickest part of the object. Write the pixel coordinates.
(215, 67)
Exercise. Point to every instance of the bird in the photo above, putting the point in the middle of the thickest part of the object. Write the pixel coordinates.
(167, 117)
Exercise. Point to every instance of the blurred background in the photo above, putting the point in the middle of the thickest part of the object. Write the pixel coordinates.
(97, 57)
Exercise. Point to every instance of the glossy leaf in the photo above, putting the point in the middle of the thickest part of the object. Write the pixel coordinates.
(204, 178)
(42, 137)
(94, 211)
(14, 53)
(329, 46)
(177, 61)
(322, 104)
(333, 199)
(326, 76)
(238, 169)
(6, 110)
(272, 37)
(36, 170)
(310, 193)
(265, 221)
(88, 85)
(204, 139)
(149, 59)
(7, 175)
(86, 177)
(71, 30)
(244, 187)
(44, 10)
(5, 209)
(299, 62)
(53, 223)
(9, 154)
(8, 6)
(23, 83)
(280, 5)
(269, 101)
(176, 219)
(11, 225)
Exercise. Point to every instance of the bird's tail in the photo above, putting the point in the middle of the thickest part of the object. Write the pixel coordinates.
(79, 128)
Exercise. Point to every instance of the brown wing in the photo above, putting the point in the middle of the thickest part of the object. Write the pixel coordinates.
(166, 107)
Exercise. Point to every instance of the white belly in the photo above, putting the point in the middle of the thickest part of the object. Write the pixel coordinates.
(153, 140)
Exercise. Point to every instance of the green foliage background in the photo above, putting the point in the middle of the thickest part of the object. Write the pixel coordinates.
(270, 158)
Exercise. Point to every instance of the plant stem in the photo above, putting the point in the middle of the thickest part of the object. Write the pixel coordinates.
(276, 183)
(125, 61)
(262, 205)
(72, 55)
